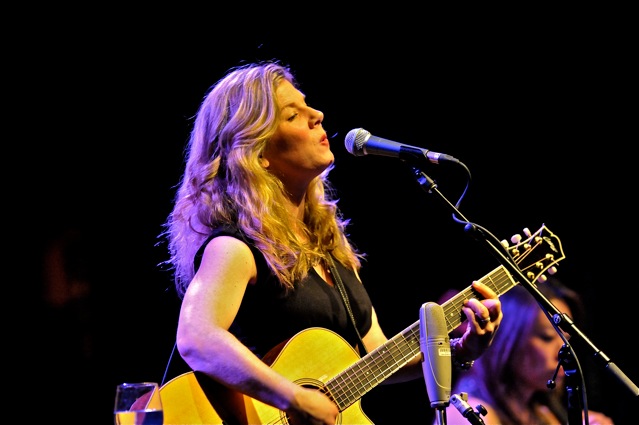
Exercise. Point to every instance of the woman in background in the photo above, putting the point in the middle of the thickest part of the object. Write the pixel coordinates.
(510, 379)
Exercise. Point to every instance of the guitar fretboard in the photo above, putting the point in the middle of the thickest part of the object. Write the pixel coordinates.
(365, 374)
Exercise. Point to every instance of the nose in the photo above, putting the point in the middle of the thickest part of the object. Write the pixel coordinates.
(317, 117)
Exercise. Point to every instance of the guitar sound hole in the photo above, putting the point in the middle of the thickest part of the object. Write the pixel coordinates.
(310, 383)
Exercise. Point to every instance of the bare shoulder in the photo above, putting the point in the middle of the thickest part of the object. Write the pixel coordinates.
(222, 245)
(224, 249)
(226, 257)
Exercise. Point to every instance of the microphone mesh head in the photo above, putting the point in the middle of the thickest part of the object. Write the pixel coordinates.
(355, 140)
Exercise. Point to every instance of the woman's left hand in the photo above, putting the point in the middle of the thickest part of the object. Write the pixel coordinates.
(483, 318)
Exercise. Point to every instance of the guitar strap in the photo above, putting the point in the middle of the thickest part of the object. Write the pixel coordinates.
(342, 291)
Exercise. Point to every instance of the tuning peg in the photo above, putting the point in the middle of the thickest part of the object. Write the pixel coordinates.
(542, 278)
(552, 270)
(516, 238)
(527, 232)
(504, 243)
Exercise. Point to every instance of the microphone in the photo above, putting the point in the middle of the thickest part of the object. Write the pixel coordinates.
(360, 142)
(435, 347)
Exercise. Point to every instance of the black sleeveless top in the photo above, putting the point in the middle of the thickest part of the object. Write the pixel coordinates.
(269, 314)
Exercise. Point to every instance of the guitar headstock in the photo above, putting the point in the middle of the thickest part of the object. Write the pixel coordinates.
(537, 254)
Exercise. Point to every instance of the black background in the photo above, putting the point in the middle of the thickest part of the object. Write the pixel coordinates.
(541, 111)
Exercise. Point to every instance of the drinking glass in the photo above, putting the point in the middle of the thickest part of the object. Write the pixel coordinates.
(138, 403)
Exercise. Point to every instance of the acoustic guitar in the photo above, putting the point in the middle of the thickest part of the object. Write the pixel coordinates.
(319, 358)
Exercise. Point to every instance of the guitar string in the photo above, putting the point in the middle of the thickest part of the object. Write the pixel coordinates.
(499, 281)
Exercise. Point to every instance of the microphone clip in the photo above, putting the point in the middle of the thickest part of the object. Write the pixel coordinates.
(460, 401)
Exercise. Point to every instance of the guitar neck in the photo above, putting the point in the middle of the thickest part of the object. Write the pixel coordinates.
(365, 374)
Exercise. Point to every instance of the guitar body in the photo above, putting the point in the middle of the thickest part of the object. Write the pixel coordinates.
(309, 358)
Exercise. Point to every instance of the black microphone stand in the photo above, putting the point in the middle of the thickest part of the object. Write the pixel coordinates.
(566, 324)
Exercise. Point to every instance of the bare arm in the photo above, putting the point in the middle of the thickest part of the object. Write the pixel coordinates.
(209, 307)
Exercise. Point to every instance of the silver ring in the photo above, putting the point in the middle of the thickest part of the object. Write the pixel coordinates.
(484, 320)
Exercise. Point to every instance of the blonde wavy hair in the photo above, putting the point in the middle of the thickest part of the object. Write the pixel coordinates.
(224, 183)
